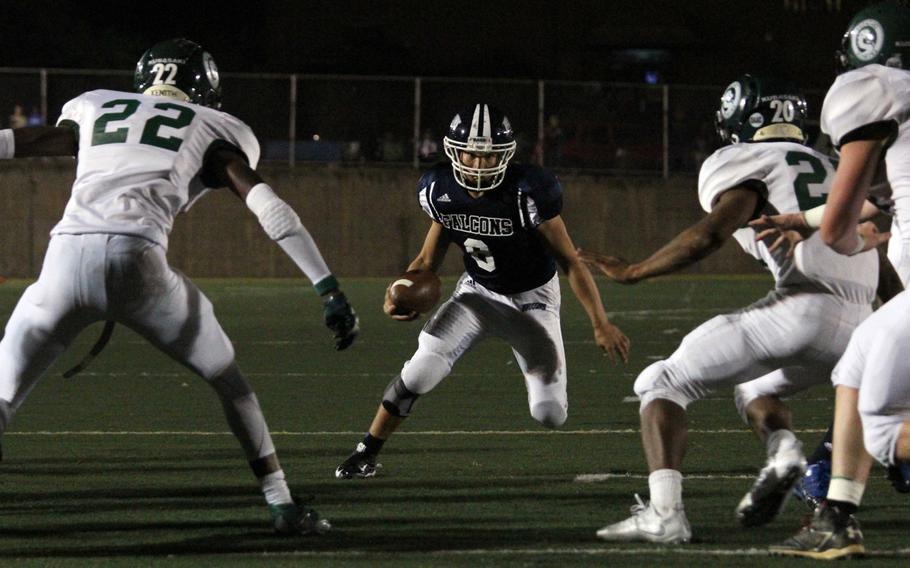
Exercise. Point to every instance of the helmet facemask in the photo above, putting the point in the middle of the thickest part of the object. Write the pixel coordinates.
(483, 137)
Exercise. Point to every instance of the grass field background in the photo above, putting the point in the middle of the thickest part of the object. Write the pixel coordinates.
(130, 463)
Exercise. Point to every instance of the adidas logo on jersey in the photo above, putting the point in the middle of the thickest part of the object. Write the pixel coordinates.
(444, 198)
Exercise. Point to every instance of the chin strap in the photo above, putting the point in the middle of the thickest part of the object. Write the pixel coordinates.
(105, 336)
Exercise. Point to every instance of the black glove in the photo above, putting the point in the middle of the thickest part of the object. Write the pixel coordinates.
(341, 319)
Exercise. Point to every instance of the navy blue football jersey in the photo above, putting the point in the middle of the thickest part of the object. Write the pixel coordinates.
(496, 231)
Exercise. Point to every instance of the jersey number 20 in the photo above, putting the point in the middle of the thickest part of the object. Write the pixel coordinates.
(150, 136)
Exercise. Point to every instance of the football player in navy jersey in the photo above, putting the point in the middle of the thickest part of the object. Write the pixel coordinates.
(506, 220)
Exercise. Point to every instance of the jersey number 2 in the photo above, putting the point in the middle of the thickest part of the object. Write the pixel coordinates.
(808, 197)
(150, 136)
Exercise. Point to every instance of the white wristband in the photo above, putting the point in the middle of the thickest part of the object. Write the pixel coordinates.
(860, 245)
(7, 144)
(813, 216)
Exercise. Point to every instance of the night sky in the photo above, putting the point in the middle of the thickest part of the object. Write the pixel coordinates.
(691, 42)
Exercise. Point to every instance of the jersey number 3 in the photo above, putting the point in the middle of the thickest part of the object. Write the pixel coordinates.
(480, 252)
(150, 136)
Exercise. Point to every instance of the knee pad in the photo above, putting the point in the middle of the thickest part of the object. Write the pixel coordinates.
(397, 399)
(549, 413)
(230, 384)
(656, 382)
(424, 371)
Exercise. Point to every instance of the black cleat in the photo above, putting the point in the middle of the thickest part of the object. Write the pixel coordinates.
(296, 519)
(771, 490)
(359, 465)
(829, 535)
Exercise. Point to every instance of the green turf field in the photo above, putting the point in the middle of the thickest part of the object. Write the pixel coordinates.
(130, 464)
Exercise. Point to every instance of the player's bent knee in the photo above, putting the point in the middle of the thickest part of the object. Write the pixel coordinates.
(398, 400)
(656, 382)
(549, 413)
(424, 371)
(743, 395)
(880, 436)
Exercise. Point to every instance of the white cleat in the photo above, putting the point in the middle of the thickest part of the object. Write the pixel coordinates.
(647, 525)
(772, 488)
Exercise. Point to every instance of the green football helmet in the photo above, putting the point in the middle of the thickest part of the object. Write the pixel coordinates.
(878, 34)
(760, 110)
(179, 69)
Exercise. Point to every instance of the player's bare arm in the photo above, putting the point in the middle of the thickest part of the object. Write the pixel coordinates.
(430, 258)
(789, 229)
(37, 141)
(733, 210)
(229, 168)
(607, 336)
(858, 164)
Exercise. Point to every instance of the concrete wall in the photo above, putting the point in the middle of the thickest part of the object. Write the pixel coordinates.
(366, 220)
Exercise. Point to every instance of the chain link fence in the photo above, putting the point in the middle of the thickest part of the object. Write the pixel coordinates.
(613, 128)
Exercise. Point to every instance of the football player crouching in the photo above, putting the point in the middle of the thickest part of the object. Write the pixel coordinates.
(505, 220)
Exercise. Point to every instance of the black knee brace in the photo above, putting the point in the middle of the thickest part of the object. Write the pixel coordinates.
(397, 399)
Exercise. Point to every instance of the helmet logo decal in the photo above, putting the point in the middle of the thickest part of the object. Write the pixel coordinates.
(211, 70)
(756, 120)
(730, 99)
(455, 122)
(867, 39)
(160, 69)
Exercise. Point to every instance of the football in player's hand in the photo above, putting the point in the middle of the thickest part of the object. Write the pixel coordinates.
(415, 291)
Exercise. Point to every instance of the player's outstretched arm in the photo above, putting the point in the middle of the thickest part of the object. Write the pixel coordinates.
(733, 209)
(607, 336)
(430, 258)
(859, 160)
(36, 141)
(281, 224)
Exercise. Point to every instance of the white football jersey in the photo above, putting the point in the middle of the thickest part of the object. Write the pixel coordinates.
(140, 160)
(870, 94)
(791, 177)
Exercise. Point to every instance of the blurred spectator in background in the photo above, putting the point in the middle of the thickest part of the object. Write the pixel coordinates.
(428, 147)
(553, 138)
(18, 118)
(390, 148)
(353, 151)
(35, 118)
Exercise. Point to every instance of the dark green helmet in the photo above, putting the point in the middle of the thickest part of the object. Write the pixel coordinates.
(878, 34)
(759, 110)
(180, 69)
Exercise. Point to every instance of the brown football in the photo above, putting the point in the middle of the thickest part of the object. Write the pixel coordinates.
(415, 290)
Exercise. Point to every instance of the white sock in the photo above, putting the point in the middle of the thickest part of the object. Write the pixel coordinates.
(782, 441)
(666, 490)
(275, 488)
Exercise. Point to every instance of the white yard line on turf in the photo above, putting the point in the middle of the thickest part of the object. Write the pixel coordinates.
(360, 432)
(606, 550)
